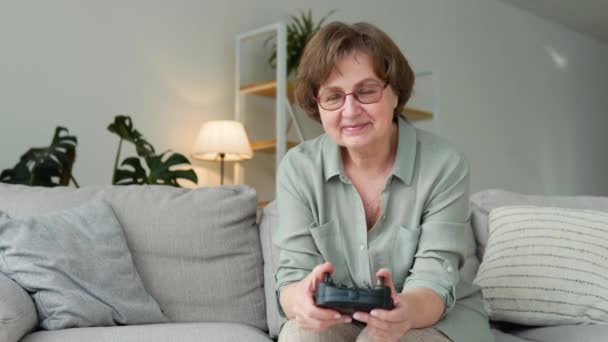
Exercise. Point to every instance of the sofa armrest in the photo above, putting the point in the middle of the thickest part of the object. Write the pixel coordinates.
(17, 311)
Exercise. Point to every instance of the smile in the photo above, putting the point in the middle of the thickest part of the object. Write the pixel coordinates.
(355, 128)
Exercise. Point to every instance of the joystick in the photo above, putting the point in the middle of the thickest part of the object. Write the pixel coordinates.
(348, 300)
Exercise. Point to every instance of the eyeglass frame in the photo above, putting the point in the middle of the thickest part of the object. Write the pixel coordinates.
(354, 96)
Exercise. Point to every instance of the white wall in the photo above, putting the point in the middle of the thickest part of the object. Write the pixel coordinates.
(525, 124)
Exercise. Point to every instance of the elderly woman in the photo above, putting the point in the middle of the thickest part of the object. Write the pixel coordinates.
(372, 197)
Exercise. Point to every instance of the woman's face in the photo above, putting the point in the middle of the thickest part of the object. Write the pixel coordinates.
(355, 125)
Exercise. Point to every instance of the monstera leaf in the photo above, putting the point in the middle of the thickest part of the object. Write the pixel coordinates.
(159, 166)
(46, 166)
(136, 174)
(123, 127)
(160, 169)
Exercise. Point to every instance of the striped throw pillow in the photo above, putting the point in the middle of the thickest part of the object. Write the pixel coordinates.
(546, 266)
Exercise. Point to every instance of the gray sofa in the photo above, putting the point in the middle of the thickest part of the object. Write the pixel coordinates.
(205, 255)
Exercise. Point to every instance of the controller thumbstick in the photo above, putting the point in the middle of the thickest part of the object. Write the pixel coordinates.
(327, 277)
(381, 281)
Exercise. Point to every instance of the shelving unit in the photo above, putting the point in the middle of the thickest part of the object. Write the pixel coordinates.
(280, 90)
(269, 146)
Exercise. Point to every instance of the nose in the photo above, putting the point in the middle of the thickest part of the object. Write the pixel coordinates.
(351, 106)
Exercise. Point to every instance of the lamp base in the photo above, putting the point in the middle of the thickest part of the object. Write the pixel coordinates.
(222, 156)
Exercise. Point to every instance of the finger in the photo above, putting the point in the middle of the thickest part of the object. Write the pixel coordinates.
(395, 315)
(317, 274)
(308, 308)
(318, 313)
(388, 281)
(372, 321)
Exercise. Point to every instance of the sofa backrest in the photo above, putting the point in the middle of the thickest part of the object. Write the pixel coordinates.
(197, 250)
(484, 201)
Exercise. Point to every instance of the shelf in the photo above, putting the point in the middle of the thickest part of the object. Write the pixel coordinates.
(269, 89)
(416, 114)
(262, 204)
(269, 146)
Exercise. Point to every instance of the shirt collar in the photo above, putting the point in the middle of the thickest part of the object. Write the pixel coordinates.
(404, 163)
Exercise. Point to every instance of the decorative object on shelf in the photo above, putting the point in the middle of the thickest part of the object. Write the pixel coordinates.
(159, 165)
(299, 31)
(223, 140)
(46, 166)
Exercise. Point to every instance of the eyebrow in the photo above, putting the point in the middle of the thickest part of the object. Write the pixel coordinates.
(333, 88)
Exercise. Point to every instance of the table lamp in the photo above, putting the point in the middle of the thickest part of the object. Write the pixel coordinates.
(222, 140)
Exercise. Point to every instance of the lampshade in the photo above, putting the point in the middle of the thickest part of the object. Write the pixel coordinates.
(222, 136)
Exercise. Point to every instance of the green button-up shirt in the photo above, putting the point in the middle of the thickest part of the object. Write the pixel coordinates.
(420, 236)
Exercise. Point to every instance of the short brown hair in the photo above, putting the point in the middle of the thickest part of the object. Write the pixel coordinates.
(337, 40)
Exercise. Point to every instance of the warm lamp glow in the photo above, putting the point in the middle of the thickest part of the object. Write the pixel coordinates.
(222, 136)
(222, 140)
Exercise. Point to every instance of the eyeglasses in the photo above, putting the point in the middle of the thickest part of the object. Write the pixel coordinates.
(365, 94)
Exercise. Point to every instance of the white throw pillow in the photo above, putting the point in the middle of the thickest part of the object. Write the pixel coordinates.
(546, 266)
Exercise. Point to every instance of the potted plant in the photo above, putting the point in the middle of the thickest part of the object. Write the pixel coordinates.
(299, 31)
(160, 167)
(46, 166)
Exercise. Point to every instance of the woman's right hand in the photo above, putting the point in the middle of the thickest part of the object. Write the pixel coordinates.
(299, 297)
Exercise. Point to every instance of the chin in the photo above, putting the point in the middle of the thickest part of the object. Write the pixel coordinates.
(357, 142)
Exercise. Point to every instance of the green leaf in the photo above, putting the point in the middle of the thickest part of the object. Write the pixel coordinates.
(45, 166)
(161, 172)
(20, 174)
(123, 127)
(299, 31)
(131, 172)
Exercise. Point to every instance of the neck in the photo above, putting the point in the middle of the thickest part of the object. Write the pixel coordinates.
(375, 159)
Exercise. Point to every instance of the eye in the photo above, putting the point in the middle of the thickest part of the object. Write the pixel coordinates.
(332, 97)
(367, 90)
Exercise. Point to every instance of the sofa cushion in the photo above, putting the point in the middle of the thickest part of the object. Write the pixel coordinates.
(182, 332)
(565, 333)
(546, 266)
(483, 202)
(268, 219)
(17, 312)
(196, 250)
(76, 265)
(500, 336)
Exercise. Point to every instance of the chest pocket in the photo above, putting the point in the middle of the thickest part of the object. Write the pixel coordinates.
(404, 250)
(328, 240)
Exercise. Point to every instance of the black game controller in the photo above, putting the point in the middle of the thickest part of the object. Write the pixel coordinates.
(350, 300)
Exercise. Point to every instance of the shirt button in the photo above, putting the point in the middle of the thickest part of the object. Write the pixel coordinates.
(449, 268)
(362, 247)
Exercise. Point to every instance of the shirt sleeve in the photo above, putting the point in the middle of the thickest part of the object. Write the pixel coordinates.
(441, 246)
(298, 253)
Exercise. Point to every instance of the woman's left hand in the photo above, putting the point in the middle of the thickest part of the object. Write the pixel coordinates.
(387, 325)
